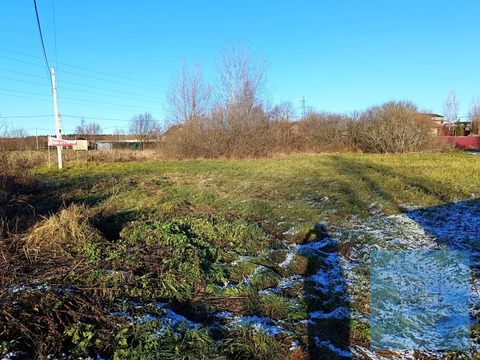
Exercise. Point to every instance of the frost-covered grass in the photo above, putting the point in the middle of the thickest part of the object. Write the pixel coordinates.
(219, 259)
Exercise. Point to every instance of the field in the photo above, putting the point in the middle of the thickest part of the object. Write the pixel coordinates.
(223, 259)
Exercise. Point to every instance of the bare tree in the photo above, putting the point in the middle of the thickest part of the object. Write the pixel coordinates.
(144, 127)
(241, 86)
(91, 129)
(285, 111)
(474, 116)
(18, 133)
(451, 108)
(188, 97)
(80, 130)
(3, 134)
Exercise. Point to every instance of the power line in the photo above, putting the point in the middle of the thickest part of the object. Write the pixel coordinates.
(84, 68)
(100, 79)
(55, 33)
(25, 117)
(104, 89)
(22, 81)
(85, 102)
(24, 92)
(102, 94)
(75, 83)
(26, 97)
(105, 103)
(94, 118)
(71, 89)
(21, 61)
(112, 75)
(41, 36)
(21, 73)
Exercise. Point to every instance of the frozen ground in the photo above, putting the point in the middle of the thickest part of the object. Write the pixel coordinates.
(344, 274)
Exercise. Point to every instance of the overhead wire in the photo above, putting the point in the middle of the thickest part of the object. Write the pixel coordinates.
(105, 89)
(24, 117)
(90, 70)
(22, 81)
(25, 92)
(25, 97)
(21, 73)
(41, 38)
(100, 79)
(21, 61)
(55, 33)
(71, 89)
(104, 103)
(95, 118)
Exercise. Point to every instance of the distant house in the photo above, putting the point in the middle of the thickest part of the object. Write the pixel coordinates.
(437, 122)
(436, 118)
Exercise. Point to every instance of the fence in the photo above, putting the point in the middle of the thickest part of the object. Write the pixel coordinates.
(464, 142)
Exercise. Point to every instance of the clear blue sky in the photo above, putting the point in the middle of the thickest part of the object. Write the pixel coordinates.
(342, 55)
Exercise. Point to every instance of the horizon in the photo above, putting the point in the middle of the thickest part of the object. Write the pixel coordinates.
(114, 61)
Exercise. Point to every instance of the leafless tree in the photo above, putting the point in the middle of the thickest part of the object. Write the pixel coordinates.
(474, 116)
(3, 128)
(285, 111)
(188, 97)
(3, 133)
(91, 129)
(17, 133)
(451, 108)
(144, 127)
(241, 86)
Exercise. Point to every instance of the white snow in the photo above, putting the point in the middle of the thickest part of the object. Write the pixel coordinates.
(266, 324)
(288, 259)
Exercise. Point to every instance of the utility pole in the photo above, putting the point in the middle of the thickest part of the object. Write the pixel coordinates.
(58, 123)
(36, 137)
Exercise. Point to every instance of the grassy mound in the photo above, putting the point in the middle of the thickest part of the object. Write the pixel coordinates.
(63, 235)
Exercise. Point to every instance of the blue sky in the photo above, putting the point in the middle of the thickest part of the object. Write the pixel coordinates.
(342, 56)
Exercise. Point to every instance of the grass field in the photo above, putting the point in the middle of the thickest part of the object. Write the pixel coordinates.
(223, 259)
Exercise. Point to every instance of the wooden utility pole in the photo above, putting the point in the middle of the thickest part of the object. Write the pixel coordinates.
(36, 138)
(58, 123)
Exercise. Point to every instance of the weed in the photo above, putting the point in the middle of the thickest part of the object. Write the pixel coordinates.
(241, 270)
(250, 343)
(264, 279)
(62, 236)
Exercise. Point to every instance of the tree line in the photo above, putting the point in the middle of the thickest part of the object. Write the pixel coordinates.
(230, 115)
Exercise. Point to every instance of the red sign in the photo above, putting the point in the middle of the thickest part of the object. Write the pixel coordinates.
(58, 142)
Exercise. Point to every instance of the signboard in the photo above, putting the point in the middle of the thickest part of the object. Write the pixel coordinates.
(58, 142)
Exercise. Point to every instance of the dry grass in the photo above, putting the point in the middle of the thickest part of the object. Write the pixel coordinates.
(29, 159)
(110, 156)
(61, 235)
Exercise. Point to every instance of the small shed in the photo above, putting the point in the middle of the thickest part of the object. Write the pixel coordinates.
(82, 145)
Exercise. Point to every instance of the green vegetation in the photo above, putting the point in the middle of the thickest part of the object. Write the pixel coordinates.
(101, 254)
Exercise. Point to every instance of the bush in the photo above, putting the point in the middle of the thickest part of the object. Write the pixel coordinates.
(322, 132)
(394, 127)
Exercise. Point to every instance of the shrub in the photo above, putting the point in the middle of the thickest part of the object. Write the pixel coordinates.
(394, 127)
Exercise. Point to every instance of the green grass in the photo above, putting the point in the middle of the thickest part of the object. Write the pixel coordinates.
(194, 234)
(272, 188)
